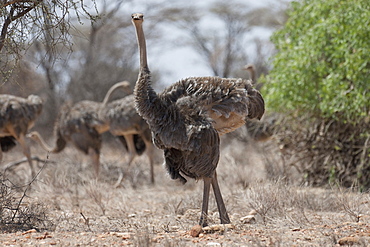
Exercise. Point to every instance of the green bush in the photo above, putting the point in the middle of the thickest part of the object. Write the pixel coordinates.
(322, 66)
(321, 81)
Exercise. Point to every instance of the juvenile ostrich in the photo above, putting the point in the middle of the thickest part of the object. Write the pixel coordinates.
(17, 116)
(124, 121)
(252, 72)
(259, 130)
(253, 75)
(188, 117)
(82, 126)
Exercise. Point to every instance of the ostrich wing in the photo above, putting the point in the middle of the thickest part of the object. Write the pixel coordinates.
(227, 102)
(122, 117)
(198, 157)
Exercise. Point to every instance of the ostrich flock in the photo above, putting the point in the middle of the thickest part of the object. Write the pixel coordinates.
(185, 120)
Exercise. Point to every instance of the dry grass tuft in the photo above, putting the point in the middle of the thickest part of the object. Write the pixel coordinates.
(355, 204)
(16, 214)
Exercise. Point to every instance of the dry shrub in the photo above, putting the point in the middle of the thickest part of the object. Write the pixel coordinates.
(277, 200)
(280, 202)
(353, 203)
(326, 151)
(97, 193)
(266, 199)
(16, 215)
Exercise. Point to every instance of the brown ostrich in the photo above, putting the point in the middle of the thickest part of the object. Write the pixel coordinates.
(124, 121)
(259, 130)
(82, 126)
(128, 126)
(251, 69)
(188, 117)
(78, 124)
(17, 116)
(252, 72)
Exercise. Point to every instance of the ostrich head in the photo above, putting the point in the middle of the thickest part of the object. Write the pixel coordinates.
(32, 135)
(125, 85)
(137, 17)
(249, 67)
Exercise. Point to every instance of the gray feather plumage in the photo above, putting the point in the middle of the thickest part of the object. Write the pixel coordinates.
(187, 117)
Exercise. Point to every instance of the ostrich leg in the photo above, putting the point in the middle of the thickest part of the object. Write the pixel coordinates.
(150, 153)
(203, 218)
(131, 152)
(95, 159)
(220, 202)
(131, 148)
(27, 153)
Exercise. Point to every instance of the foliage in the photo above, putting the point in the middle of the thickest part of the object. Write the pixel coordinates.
(323, 62)
(320, 79)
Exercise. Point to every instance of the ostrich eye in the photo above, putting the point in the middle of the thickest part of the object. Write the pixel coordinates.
(137, 16)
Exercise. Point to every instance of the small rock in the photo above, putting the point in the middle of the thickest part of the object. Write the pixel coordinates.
(29, 231)
(44, 236)
(218, 228)
(174, 228)
(248, 219)
(195, 231)
(252, 212)
(123, 235)
(213, 244)
(348, 241)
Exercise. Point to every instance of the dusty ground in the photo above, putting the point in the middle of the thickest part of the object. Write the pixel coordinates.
(80, 211)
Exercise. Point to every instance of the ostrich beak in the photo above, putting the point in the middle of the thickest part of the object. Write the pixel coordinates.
(137, 16)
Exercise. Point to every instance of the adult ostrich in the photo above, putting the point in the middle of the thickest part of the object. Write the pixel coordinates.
(132, 129)
(188, 117)
(17, 116)
(81, 125)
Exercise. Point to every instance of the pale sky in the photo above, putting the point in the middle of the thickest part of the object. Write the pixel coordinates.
(181, 62)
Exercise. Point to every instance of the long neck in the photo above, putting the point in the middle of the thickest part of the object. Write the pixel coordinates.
(112, 90)
(102, 109)
(60, 144)
(146, 98)
(252, 73)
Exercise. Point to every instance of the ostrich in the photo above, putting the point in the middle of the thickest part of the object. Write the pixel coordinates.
(124, 122)
(81, 125)
(259, 131)
(188, 117)
(252, 72)
(17, 116)
(253, 75)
